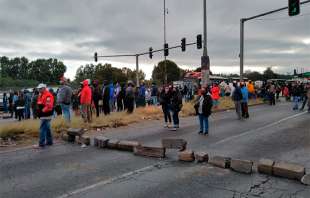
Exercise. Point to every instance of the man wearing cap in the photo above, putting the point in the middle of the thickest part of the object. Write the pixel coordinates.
(45, 113)
(64, 96)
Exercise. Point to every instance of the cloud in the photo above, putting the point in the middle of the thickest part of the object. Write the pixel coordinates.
(72, 30)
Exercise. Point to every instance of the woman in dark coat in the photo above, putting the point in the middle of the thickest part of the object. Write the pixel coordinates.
(204, 109)
(165, 101)
(176, 106)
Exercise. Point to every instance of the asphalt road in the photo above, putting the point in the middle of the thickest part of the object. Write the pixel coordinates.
(69, 171)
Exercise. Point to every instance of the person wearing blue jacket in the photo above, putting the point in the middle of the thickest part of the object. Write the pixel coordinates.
(244, 101)
(112, 97)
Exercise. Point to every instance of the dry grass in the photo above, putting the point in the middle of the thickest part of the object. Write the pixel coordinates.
(30, 128)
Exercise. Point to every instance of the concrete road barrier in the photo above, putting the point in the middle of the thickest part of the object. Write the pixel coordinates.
(241, 166)
(157, 152)
(306, 179)
(65, 137)
(288, 170)
(186, 156)
(174, 144)
(101, 142)
(127, 145)
(265, 166)
(201, 157)
(84, 139)
(113, 144)
(219, 161)
(72, 133)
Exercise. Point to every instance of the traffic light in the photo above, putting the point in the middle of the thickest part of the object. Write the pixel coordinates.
(183, 44)
(166, 50)
(151, 53)
(199, 41)
(96, 57)
(293, 7)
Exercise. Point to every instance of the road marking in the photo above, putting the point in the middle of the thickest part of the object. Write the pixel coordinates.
(111, 180)
(258, 129)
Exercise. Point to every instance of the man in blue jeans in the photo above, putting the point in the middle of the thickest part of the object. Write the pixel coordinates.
(203, 109)
(64, 96)
(45, 113)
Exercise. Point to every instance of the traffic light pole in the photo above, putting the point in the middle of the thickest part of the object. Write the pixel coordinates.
(205, 60)
(137, 70)
(242, 22)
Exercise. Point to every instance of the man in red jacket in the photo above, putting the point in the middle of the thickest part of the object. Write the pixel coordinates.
(86, 101)
(45, 113)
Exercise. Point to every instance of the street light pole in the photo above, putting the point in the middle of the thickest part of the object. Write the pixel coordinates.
(205, 60)
(241, 55)
(137, 70)
(165, 64)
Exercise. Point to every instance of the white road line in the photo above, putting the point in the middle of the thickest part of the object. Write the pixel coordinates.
(109, 181)
(258, 129)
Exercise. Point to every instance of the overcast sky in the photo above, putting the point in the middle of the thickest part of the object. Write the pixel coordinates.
(72, 30)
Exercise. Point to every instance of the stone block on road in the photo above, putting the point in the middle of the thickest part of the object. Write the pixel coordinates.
(157, 152)
(113, 144)
(186, 156)
(288, 170)
(101, 142)
(75, 132)
(65, 137)
(85, 140)
(219, 161)
(265, 166)
(306, 179)
(174, 144)
(201, 157)
(128, 145)
(241, 166)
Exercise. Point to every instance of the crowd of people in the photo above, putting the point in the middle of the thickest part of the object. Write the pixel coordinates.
(93, 98)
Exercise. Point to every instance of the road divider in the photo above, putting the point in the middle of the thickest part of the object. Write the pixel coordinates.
(174, 144)
(219, 161)
(157, 152)
(201, 157)
(241, 166)
(265, 166)
(186, 156)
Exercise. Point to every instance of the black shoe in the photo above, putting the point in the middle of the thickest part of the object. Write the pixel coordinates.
(200, 132)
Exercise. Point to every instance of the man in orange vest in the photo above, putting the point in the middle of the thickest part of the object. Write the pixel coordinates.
(45, 113)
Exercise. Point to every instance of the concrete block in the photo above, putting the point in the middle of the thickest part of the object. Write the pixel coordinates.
(101, 142)
(288, 170)
(85, 140)
(241, 166)
(186, 156)
(219, 161)
(157, 152)
(113, 144)
(75, 132)
(174, 144)
(201, 157)
(265, 166)
(306, 179)
(128, 145)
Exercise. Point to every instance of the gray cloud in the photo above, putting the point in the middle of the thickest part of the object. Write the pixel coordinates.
(72, 30)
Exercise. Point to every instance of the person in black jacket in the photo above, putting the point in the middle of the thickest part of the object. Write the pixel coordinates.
(106, 97)
(96, 96)
(165, 101)
(20, 106)
(204, 109)
(176, 106)
(237, 97)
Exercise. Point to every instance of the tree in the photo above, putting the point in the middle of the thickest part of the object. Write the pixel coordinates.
(269, 74)
(254, 75)
(173, 72)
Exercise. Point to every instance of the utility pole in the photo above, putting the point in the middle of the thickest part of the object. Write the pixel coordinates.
(205, 60)
(165, 40)
(137, 70)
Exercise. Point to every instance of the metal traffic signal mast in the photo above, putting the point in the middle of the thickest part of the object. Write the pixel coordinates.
(293, 9)
(151, 51)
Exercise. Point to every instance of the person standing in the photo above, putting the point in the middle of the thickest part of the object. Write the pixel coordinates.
(296, 93)
(45, 113)
(106, 98)
(5, 103)
(11, 105)
(64, 96)
(305, 97)
(15, 98)
(154, 94)
(130, 97)
(237, 98)
(272, 94)
(165, 99)
(215, 93)
(86, 101)
(176, 106)
(34, 101)
(121, 98)
(27, 98)
(20, 106)
(96, 96)
(244, 101)
(204, 109)
(251, 89)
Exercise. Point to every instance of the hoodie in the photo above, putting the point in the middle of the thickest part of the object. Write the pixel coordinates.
(86, 93)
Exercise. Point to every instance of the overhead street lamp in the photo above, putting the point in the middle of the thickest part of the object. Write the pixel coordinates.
(205, 60)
